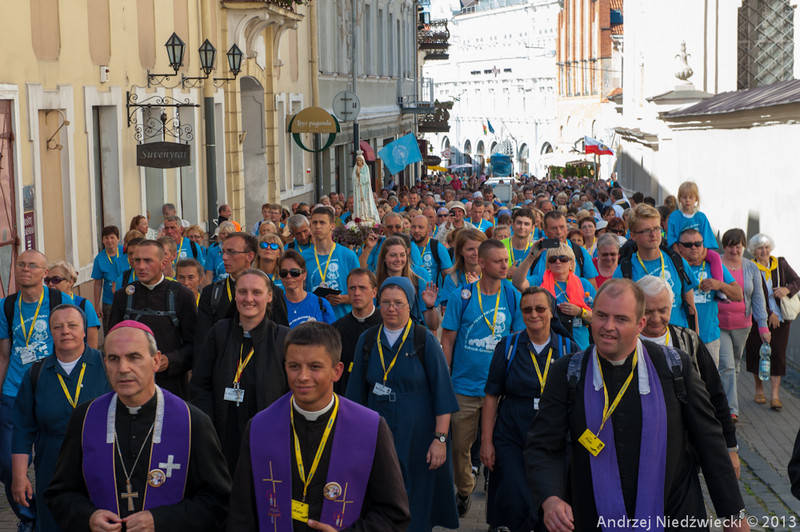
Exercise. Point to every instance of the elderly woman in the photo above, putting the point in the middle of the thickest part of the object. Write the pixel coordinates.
(270, 248)
(517, 375)
(196, 234)
(574, 295)
(393, 261)
(588, 226)
(301, 306)
(239, 368)
(399, 371)
(780, 281)
(736, 318)
(62, 276)
(215, 269)
(607, 258)
(49, 392)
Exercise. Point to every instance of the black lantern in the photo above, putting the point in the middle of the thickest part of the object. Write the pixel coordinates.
(235, 60)
(208, 55)
(175, 48)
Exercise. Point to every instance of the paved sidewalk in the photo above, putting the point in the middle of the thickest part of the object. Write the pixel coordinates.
(766, 439)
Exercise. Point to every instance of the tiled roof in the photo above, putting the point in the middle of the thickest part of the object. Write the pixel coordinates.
(615, 4)
(781, 93)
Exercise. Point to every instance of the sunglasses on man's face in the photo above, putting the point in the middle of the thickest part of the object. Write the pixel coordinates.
(689, 245)
(269, 245)
(54, 280)
(294, 272)
(540, 309)
(557, 258)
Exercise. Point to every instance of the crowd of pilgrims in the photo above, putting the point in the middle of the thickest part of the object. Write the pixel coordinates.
(452, 319)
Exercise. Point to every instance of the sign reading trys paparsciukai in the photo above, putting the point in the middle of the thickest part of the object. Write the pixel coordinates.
(163, 155)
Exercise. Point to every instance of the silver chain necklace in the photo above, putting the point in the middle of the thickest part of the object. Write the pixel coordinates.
(129, 494)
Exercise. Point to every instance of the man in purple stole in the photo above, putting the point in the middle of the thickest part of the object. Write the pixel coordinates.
(632, 410)
(138, 457)
(314, 460)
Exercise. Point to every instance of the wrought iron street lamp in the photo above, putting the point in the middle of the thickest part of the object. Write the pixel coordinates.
(175, 50)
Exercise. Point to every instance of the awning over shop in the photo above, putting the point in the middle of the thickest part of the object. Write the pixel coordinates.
(369, 153)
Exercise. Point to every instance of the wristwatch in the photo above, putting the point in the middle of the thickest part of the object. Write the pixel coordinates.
(441, 436)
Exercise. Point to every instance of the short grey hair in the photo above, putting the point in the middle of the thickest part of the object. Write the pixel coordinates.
(760, 240)
(296, 221)
(607, 240)
(653, 286)
(227, 226)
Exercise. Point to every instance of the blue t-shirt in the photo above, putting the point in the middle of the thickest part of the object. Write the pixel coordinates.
(342, 261)
(185, 251)
(475, 340)
(109, 269)
(300, 248)
(214, 264)
(91, 315)
(372, 259)
(653, 267)
(587, 272)
(706, 303)
(309, 310)
(580, 330)
(433, 267)
(483, 225)
(40, 344)
(679, 222)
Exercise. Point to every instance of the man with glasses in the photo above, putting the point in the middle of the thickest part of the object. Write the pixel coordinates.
(456, 214)
(650, 259)
(168, 308)
(186, 248)
(217, 299)
(327, 263)
(392, 225)
(691, 248)
(24, 339)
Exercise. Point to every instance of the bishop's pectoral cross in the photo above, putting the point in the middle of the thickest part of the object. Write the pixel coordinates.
(129, 494)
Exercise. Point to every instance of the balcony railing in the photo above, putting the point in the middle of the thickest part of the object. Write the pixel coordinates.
(434, 39)
(415, 96)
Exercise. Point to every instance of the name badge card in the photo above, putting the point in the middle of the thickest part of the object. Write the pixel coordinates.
(299, 511)
(591, 442)
(381, 389)
(235, 395)
(536, 403)
(27, 354)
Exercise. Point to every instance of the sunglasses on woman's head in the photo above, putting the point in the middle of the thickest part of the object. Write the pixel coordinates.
(557, 258)
(269, 245)
(294, 272)
(54, 280)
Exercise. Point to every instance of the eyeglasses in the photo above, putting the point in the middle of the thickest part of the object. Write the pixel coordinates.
(395, 227)
(690, 245)
(651, 231)
(393, 304)
(572, 221)
(54, 280)
(441, 215)
(269, 245)
(231, 252)
(29, 266)
(294, 272)
(558, 258)
(540, 309)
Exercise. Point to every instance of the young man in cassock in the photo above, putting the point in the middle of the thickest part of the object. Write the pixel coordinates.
(139, 456)
(632, 409)
(314, 460)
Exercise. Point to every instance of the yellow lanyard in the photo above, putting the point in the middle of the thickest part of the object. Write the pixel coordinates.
(542, 378)
(242, 365)
(72, 402)
(228, 286)
(180, 248)
(424, 249)
(380, 351)
(133, 276)
(197, 299)
(496, 306)
(324, 274)
(299, 456)
(511, 247)
(666, 340)
(606, 410)
(645, 269)
(109, 258)
(555, 283)
(28, 334)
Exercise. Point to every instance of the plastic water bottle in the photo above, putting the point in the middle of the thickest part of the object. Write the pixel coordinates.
(764, 363)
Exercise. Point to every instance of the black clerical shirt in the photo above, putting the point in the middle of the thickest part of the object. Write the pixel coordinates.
(351, 328)
(207, 485)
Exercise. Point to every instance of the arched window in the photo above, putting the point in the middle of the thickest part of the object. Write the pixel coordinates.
(766, 42)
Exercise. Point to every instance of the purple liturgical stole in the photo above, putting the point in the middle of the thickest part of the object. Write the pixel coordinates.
(169, 455)
(355, 435)
(652, 459)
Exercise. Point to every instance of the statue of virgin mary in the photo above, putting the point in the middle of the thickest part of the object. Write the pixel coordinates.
(364, 203)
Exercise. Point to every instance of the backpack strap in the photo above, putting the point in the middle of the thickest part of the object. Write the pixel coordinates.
(673, 358)
(135, 314)
(420, 338)
(579, 258)
(370, 337)
(573, 376)
(172, 293)
(8, 310)
(216, 297)
(626, 268)
(321, 305)
(193, 245)
(36, 370)
(55, 297)
(465, 301)
(511, 349)
(434, 245)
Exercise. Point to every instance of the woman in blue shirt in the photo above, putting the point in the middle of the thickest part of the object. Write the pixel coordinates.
(301, 306)
(49, 393)
(466, 268)
(215, 269)
(62, 276)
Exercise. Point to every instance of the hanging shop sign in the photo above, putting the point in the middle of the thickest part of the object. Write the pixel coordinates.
(315, 120)
(163, 155)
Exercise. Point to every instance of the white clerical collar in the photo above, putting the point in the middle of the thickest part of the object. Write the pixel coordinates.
(362, 320)
(660, 340)
(641, 367)
(152, 286)
(313, 416)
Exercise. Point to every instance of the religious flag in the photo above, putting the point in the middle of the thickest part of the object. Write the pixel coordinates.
(591, 145)
(491, 129)
(484, 128)
(400, 153)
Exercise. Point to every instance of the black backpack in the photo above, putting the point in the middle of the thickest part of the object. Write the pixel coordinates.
(11, 301)
(172, 293)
